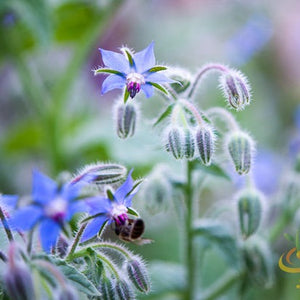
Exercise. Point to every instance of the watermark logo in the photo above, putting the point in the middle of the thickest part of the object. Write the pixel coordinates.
(288, 262)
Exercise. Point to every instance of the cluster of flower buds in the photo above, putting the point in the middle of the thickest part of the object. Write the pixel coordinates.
(240, 147)
(235, 88)
(125, 115)
(250, 207)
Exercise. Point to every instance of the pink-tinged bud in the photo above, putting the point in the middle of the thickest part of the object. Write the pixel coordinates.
(17, 278)
(126, 118)
(138, 274)
(236, 89)
(107, 288)
(241, 148)
(205, 141)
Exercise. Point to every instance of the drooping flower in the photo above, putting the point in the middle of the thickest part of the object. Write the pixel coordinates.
(52, 206)
(110, 210)
(135, 72)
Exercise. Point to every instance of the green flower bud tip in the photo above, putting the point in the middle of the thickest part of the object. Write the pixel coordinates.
(138, 275)
(241, 148)
(101, 173)
(236, 89)
(125, 116)
(205, 141)
(250, 211)
(182, 77)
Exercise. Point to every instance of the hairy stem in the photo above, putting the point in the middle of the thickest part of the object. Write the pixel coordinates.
(6, 226)
(188, 105)
(203, 71)
(225, 115)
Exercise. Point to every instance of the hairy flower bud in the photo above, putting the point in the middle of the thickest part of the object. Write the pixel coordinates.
(176, 142)
(249, 203)
(107, 288)
(125, 116)
(189, 144)
(205, 139)
(236, 89)
(101, 173)
(181, 77)
(17, 279)
(124, 290)
(240, 147)
(138, 274)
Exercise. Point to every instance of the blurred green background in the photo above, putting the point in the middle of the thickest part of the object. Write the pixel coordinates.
(53, 117)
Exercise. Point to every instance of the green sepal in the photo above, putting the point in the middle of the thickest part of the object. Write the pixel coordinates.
(99, 234)
(137, 183)
(157, 69)
(132, 212)
(107, 71)
(130, 58)
(159, 87)
(126, 95)
(110, 195)
(164, 115)
(92, 217)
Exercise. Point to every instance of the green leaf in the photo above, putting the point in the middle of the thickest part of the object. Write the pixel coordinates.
(99, 234)
(157, 69)
(214, 233)
(77, 279)
(107, 71)
(159, 87)
(164, 115)
(212, 169)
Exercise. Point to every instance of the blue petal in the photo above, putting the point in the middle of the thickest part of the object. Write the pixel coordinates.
(9, 201)
(44, 188)
(25, 218)
(145, 59)
(98, 205)
(147, 89)
(76, 207)
(70, 191)
(92, 228)
(49, 233)
(113, 82)
(124, 189)
(157, 77)
(115, 61)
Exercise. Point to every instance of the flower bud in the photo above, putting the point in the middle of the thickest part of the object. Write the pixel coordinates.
(189, 145)
(250, 211)
(126, 116)
(107, 288)
(176, 142)
(236, 89)
(156, 191)
(17, 279)
(182, 77)
(138, 274)
(205, 139)
(124, 290)
(240, 147)
(101, 173)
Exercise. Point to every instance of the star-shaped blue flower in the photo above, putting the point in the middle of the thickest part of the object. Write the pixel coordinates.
(134, 71)
(110, 210)
(52, 207)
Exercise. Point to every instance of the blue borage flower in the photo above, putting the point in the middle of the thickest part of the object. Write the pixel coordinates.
(114, 208)
(52, 207)
(135, 72)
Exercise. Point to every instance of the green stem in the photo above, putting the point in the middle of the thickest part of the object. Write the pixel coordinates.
(190, 263)
(76, 241)
(277, 229)
(6, 226)
(223, 284)
(114, 247)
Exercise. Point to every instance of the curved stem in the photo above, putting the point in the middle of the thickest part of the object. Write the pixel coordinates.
(177, 114)
(114, 247)
(201, 72)
(188, 105)
(224, 114)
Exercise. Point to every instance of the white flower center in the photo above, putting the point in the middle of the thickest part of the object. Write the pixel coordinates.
(56, 209)
(118, 210)
(135, 78)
